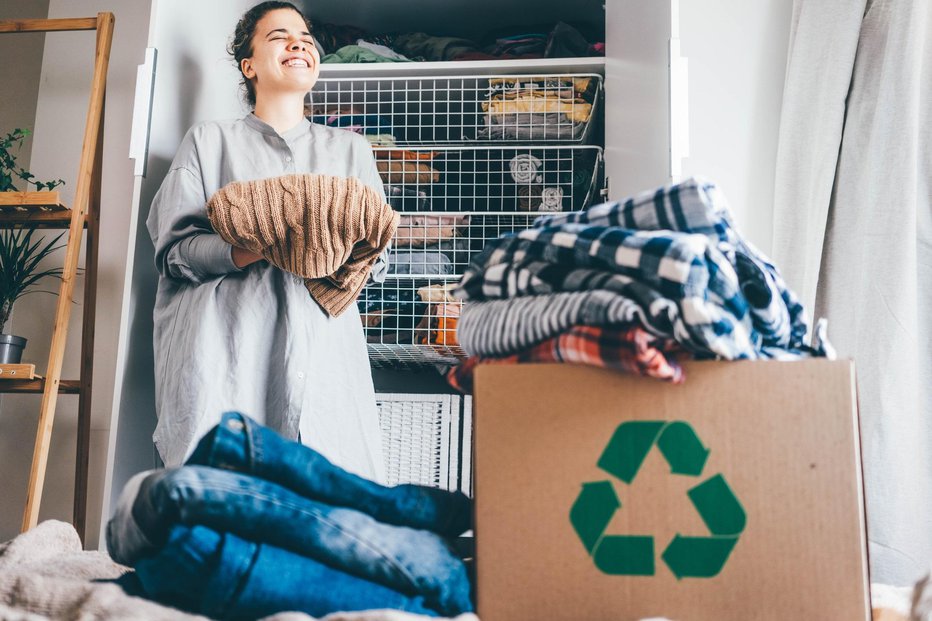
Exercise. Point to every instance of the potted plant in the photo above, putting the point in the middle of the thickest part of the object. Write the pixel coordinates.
(20, 255)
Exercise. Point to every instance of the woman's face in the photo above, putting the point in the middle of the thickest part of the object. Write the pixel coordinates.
(284, 59)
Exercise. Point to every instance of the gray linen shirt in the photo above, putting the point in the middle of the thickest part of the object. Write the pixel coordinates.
(253, 339)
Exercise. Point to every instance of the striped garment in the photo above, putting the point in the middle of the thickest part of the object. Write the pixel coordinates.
(503, 327)
(623, 348)
(697, 206)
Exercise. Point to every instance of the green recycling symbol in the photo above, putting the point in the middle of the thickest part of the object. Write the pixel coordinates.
(633, 555)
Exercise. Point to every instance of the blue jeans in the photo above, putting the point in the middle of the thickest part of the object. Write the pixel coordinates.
(239, 443)
(225, 577)
(410, 561)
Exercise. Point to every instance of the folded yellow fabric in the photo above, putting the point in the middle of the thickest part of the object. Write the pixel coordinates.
(328, 230)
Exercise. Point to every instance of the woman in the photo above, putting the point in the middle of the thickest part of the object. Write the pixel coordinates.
(231, 331)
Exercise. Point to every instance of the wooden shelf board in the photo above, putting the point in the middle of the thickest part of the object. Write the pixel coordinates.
(17, 372)
(31, 201)
(36, 219)
(35, 386)
(48, 25)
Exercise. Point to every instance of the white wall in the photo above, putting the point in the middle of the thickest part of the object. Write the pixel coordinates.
(19, 74)
(60, 116)
(737, 58)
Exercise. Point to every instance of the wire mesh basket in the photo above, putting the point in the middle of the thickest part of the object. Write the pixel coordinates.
(410, 322)
(426, 439)
(460, 109)
(453, 200)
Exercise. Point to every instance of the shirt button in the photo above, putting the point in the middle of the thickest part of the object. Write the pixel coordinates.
(287, 158)
(300, 374)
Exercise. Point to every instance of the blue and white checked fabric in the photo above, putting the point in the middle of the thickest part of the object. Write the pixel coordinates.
(673, 251)
(698, 206)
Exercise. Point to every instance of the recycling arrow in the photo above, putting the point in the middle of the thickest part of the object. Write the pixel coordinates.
(593, 510)
(682, 449)
(613, 554)
(713, 499)
(718, 507)
(698, 557)
(628, 447)
(632, 441)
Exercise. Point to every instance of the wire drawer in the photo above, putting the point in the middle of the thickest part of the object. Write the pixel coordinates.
(425, 438)
(460, 109)
(453, 200)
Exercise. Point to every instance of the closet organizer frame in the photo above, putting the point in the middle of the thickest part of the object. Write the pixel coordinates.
(410, 319)
(449, 110)
(464, 158)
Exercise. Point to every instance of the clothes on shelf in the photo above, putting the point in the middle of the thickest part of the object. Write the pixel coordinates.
(281, 219)
(381, 140)
(442, 319)
(362, 54)
(420, 230)
(668, 262)
(406, 172)
(403, 198)
(560, 41)
(515, 109)
(254, 524)
(493, 180)
(391, 314)
(420, 262)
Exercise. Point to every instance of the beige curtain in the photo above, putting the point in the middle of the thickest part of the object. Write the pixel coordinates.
(853, 234)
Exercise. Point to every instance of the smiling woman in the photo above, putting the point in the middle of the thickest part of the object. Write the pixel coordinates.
(233, 332)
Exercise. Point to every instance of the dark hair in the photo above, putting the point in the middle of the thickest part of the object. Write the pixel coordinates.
(241, 45)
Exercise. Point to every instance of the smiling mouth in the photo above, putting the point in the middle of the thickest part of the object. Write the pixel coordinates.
(296, 62)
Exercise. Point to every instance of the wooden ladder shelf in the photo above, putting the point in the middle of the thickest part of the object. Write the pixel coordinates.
(45, 210)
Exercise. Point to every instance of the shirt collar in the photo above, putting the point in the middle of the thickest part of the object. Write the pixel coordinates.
(261, 126)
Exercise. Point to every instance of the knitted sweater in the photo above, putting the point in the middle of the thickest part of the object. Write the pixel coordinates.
(328, 230)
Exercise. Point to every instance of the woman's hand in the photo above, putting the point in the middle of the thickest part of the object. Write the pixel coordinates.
(243, 257)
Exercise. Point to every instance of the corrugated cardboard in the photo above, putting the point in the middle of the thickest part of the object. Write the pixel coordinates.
(782, 435)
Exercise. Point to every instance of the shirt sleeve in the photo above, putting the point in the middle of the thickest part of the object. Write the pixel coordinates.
(369, 174)
(186, 246)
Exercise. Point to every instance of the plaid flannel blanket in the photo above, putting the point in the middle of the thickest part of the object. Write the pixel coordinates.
(624, 348)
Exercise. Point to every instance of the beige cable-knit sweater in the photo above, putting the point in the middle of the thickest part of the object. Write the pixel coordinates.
(328, 230)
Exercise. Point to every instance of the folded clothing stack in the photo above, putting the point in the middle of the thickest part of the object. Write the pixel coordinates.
(548, 108)
(254, 524)
(349, 44)
(665, 269)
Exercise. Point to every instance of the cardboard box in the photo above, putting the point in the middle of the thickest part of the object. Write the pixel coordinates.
(734, 496)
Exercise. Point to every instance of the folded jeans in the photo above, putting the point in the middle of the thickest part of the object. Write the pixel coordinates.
(223, 576)
(412, 562)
